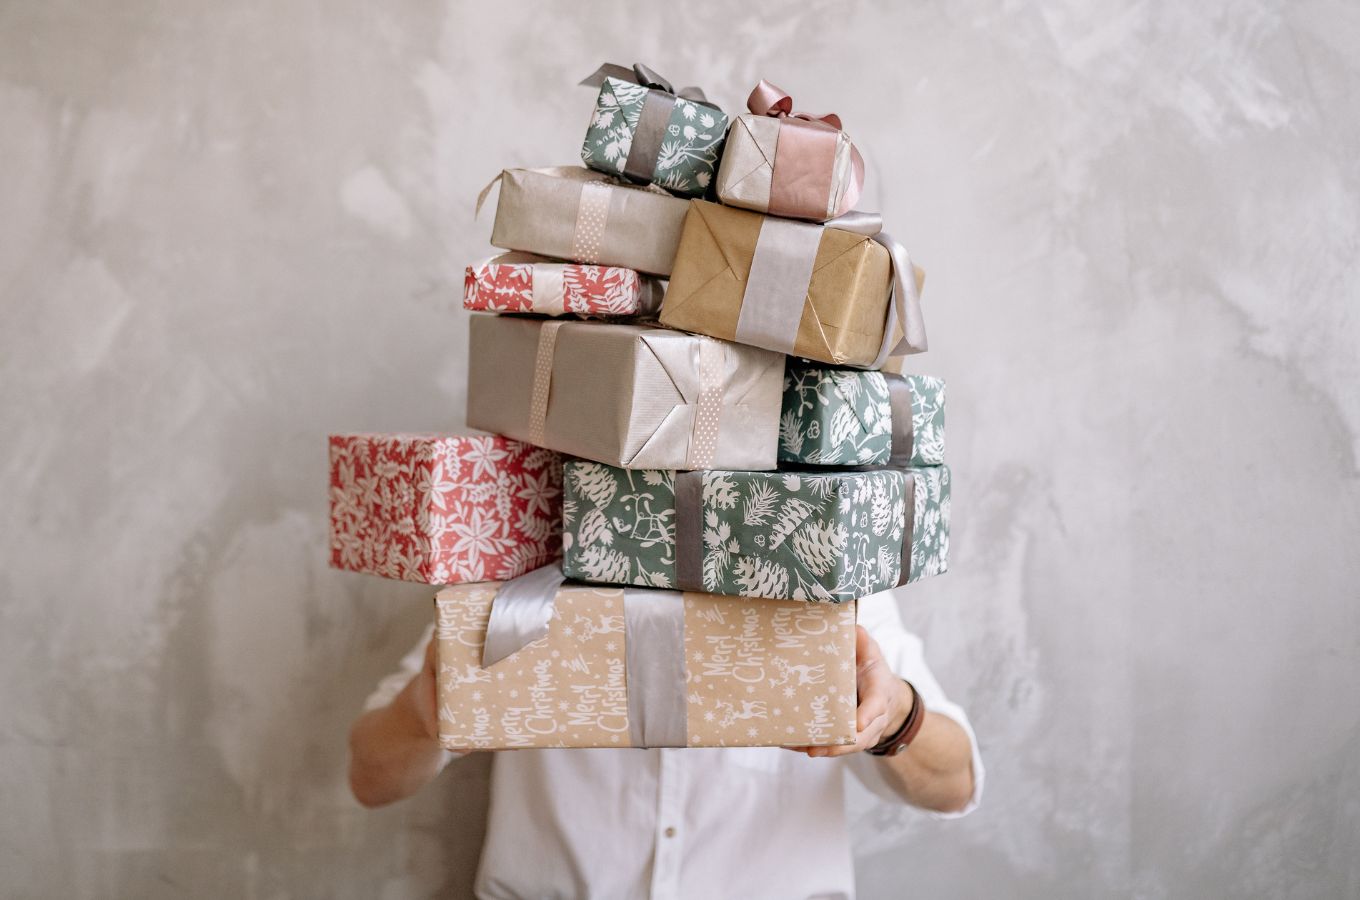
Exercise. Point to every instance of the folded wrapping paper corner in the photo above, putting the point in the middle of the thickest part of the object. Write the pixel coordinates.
(630, 395)
(787, 163)
(848, 417)
(626, 668)
(825, 536)
(576, 214)
(641, 130)
(440, 509)
(843, 293)
(525, 283)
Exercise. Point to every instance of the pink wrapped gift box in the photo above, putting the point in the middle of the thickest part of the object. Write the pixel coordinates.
(443, 509)
(524, 283)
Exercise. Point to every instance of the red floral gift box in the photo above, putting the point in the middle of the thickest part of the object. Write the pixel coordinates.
(443, 509)
(525, 283)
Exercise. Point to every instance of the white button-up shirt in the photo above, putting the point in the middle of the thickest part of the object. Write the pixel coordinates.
(705, 823)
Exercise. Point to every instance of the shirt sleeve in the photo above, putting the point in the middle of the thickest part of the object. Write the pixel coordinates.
(392, 684)
(905, 654)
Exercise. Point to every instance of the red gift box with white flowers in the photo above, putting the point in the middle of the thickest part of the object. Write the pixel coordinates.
(524, 283)
(443, 509)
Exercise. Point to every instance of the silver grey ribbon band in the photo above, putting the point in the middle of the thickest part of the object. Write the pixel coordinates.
(654, 648)
(520, 613)
(645, 76)
(645, 149)
(903, 423)
(654, 645)
(777, 285)
(689, 531)
(908, 525)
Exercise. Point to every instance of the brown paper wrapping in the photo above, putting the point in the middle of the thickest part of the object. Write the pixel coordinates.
(624, 395)
(847, 298)
(757, 673)
(537, 213)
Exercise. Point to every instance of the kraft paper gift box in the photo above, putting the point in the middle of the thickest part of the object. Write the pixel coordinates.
(833, 536)
(525, 283)
(629, 395)
(789, 164)
(822, 292)
(589, 217)
(614, 667)
(645, 131)
(846, 417)
(440, 509)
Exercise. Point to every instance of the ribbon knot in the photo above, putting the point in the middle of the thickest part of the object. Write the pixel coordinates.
(768, 99)
(646, 77)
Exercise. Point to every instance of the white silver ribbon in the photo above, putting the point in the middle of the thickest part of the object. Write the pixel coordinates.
(654, 648)
(903, 423)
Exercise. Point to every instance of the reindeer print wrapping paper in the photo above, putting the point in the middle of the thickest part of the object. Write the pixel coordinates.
(757, 673)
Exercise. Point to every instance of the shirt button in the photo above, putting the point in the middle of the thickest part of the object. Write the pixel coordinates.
(670, 832)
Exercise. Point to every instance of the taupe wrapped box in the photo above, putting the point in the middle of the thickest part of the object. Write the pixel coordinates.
(634, 396)
(570, 212)
(719, 672)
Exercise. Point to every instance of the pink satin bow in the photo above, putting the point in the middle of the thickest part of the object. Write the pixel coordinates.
(771, 100)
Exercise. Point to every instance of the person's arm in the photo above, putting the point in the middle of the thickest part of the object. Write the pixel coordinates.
(394, 748)
(935, 772)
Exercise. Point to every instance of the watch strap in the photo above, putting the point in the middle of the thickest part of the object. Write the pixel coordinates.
(896, 742)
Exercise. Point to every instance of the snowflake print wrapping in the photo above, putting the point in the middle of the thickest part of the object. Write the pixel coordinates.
(584, 290)
(443, 509)
(782, 535)
(843, 417)
(689, 150)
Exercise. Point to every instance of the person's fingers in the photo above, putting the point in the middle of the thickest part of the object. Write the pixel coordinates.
(873, 704)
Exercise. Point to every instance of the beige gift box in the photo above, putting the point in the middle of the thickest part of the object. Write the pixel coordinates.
(746, 178)
(749, 673)
(570, 212)
(635, 396)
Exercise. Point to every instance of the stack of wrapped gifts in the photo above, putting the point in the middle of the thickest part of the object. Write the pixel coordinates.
(696, 454)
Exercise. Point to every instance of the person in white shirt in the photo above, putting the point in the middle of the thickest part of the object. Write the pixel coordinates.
(678, 823)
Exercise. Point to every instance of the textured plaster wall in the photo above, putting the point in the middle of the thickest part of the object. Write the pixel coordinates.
(229, 227)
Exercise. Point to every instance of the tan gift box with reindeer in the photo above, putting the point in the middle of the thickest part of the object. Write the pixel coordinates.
(618, 667)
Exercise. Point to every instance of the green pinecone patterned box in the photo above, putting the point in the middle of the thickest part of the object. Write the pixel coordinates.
(844, 417)
(830, 536)
(689, 149)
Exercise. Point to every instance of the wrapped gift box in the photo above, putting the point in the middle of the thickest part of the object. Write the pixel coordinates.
(648, 134)
(442, 509)
(588, 217)
(832, 536)
(524, 283)
(847, 417)
(708, 672)
(629, 395)
(813, 291)
(784, 164)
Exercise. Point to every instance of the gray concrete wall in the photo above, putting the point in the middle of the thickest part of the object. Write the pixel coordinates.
(228, 228)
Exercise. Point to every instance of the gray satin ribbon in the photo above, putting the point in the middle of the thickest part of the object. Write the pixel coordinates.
(908, 526)
(777, 285)
(903, 423)
(645, 150)
(654, 642)
(520, 613)
(654, 648)
(645, 76)
(689, 531)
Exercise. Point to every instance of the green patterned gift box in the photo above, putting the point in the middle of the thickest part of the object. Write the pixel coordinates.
(803, 535)
(847, 417)
(648, 134)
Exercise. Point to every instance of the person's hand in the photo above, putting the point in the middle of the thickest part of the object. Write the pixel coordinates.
(884, 700)
(419, 695)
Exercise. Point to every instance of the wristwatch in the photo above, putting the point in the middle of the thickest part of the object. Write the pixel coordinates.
(895, 743)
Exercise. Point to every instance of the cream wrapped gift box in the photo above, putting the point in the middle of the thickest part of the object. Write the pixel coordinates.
(534, 663)
(576, 214)
(627, 395)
